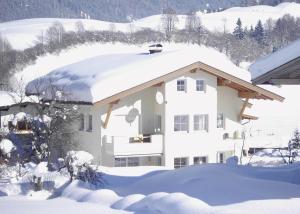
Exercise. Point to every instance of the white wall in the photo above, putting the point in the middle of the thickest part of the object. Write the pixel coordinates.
(191, 102)
(142, 107)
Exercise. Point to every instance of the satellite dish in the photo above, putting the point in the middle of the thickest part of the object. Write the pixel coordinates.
(159, 97)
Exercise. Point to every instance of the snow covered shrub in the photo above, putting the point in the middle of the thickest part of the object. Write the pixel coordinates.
(232, 161)
(6, 148)
(79, 165)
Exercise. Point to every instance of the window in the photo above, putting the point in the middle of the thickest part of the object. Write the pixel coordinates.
(120, 162)
(201, 122)
(200, 85)
(157, 123)
(90, 125)
(124, 162)
(220, 121)
(81, 120)
(181, 123)
(134, 161)
(181, 85)
(180, 162)
(200, 160)
(221, 157)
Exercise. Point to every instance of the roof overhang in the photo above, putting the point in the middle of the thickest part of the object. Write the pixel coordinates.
(286, 74)
(245, 89)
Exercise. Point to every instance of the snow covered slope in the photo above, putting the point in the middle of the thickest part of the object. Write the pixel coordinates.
(22, 33)
(205, 189)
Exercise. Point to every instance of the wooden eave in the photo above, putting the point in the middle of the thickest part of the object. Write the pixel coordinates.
(231, 81)
(249, 117)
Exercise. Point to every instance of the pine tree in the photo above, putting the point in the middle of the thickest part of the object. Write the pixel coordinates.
(259, 33)
(294, 147)
(238, 30)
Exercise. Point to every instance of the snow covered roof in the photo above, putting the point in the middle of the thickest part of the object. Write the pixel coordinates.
(9, 98)
(282, 62)
(101, 77)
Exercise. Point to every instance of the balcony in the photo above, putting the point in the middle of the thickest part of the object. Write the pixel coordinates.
(141, 145)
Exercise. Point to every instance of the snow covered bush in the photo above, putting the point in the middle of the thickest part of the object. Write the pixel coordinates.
(232, 161)
(6, 148)
(79, 165)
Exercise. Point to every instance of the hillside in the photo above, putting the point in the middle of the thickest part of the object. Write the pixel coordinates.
(22, 33)
(112, 10)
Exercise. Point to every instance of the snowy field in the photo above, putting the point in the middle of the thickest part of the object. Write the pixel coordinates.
(22, 33)
(211, 188)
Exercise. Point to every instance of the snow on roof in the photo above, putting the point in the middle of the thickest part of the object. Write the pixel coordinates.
(10, 98)
(275, 60)
(100, 77)
(6, 98)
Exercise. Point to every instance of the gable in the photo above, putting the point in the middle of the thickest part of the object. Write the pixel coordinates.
(245, 89)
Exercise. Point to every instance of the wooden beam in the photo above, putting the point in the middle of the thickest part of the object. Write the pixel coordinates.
(243, 108)
(109, 110)
(158, 84)
(249, 105)
(285, 81)
(247, 94)
(249, 117)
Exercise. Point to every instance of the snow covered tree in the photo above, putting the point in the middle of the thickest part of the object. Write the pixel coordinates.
(169, 20)
(53, 124)
(238, 30)
(259, 33)
(54, 36)
(294, 147)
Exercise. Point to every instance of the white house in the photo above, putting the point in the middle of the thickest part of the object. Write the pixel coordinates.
(174, 108)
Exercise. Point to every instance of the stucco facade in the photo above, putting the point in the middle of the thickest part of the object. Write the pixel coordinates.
(142, 129)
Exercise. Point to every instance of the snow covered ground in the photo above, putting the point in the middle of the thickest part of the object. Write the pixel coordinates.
(22, 33)
(211, 188)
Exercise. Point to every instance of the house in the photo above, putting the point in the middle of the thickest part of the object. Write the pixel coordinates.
(175, 108)
(15, 111)
(279, 68)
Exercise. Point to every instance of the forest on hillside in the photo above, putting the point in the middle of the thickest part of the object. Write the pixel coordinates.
(242, 44)
(114, 10)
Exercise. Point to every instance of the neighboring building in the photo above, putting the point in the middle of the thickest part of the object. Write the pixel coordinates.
(11, 106)
(175, 108)
(279, 68)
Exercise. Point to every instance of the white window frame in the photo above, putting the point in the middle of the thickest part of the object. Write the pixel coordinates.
(202, 160)
(126, 161)
(201, 122)
(180, 162)
(180, 125)
(222, 125)
(198, 86)
(181, 87)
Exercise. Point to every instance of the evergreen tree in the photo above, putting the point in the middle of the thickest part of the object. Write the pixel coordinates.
(259, 33)
(238, 30)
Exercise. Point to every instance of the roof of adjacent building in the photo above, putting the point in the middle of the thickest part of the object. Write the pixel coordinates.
(107, 78)
(280, 67)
